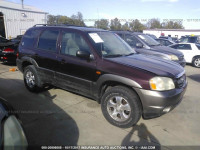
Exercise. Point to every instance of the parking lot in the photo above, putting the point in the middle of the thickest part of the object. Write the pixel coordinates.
(58, 117)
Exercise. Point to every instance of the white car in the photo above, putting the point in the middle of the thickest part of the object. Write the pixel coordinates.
(191, 52)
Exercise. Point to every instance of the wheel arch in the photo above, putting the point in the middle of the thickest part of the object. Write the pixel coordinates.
(26, 61)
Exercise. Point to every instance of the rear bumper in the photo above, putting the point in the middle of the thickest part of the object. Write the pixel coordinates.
(157, 103)
(8, 58)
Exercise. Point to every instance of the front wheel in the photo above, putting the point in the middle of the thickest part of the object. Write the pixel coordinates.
(196, 62)
(121, 106)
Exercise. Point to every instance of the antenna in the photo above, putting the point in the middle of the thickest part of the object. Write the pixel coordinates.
(22, 4)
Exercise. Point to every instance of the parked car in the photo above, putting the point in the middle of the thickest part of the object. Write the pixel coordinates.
(164, 42)
(99, 64)
(17, 39)
(152, 36)
(8, 50)
(190, 39)
(146, 45)
(191, 52)
(12, 133)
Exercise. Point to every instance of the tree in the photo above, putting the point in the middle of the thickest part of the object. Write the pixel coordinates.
(51, 19)
(78, 19)
(136, 26)
(102, 24)
(115, 24)
(154, 24)
(125, 27)
(173, 25)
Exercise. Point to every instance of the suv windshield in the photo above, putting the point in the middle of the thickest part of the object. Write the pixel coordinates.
(110, 44)
(147, 39)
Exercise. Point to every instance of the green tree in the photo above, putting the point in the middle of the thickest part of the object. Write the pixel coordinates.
(154, 24)
(173, 25)
(102, 24)
(115, 24)
(125, 27)
(78, 19)
(51, 19)
(136, 26)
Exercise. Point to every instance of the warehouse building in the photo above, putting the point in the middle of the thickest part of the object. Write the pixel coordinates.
(15, 18)
(172, 32)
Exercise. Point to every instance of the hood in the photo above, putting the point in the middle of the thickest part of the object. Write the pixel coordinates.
(155, 65)
(167, 50)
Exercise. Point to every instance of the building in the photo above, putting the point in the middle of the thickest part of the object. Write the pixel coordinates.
(15, 18)
(172, 32)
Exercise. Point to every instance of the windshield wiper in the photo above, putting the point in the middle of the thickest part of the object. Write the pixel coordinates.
(114, 55)
(130, 54)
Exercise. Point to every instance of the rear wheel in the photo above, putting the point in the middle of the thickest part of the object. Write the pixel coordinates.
(121, 106)
(196, 62)
(31, 79)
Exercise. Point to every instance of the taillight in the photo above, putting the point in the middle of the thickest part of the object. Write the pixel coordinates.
(8, 50)
(17, 54)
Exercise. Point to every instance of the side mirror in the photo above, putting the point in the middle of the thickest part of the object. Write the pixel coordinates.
(83, 54)
(139, 45)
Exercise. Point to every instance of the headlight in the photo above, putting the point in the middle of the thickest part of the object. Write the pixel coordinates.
(13, 135)
(173, 57)
(161, 84)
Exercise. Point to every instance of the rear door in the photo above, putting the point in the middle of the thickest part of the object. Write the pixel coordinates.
(46, 54)
(73, 72)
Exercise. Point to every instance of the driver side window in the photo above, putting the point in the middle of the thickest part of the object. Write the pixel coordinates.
(131, 40)
(72, 42)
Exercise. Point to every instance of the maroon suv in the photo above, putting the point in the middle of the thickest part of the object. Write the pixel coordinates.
(99, 64)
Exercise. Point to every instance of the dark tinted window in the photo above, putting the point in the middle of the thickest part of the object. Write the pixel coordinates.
(72, 42)
(184, 46)
(131, 40)
(29, 38)
(167, 43)
(48, 40)
(198, 46)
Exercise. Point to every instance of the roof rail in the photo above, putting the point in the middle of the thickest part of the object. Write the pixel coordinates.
(57, 25)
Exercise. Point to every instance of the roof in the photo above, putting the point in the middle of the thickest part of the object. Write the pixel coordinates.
(182, 30)
(17, 6)
(86, 29)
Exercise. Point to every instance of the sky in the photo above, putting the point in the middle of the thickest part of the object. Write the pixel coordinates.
(126, 10)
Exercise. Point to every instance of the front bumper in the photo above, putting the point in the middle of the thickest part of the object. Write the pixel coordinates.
(157, 103)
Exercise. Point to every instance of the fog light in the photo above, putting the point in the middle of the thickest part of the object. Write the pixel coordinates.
(167, 109)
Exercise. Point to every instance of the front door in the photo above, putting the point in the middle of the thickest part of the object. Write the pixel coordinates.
(74, 72)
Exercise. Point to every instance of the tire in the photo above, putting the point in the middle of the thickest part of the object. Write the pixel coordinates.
(32, 80)
(196, 62)
(126, 105)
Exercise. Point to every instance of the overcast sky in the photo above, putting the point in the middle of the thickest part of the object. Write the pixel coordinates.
(188, 10)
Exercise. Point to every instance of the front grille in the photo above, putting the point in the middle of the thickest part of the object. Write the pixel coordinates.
(181, 81)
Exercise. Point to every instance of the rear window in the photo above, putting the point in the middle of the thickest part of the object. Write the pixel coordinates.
(48, 40)
(29, 38)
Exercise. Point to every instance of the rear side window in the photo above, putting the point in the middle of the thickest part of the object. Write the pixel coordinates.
(29, 38)
(184, 47)
(174, 46)
(48, 40)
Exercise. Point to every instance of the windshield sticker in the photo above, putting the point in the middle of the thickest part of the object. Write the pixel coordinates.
(141, 37)
(96, 38)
